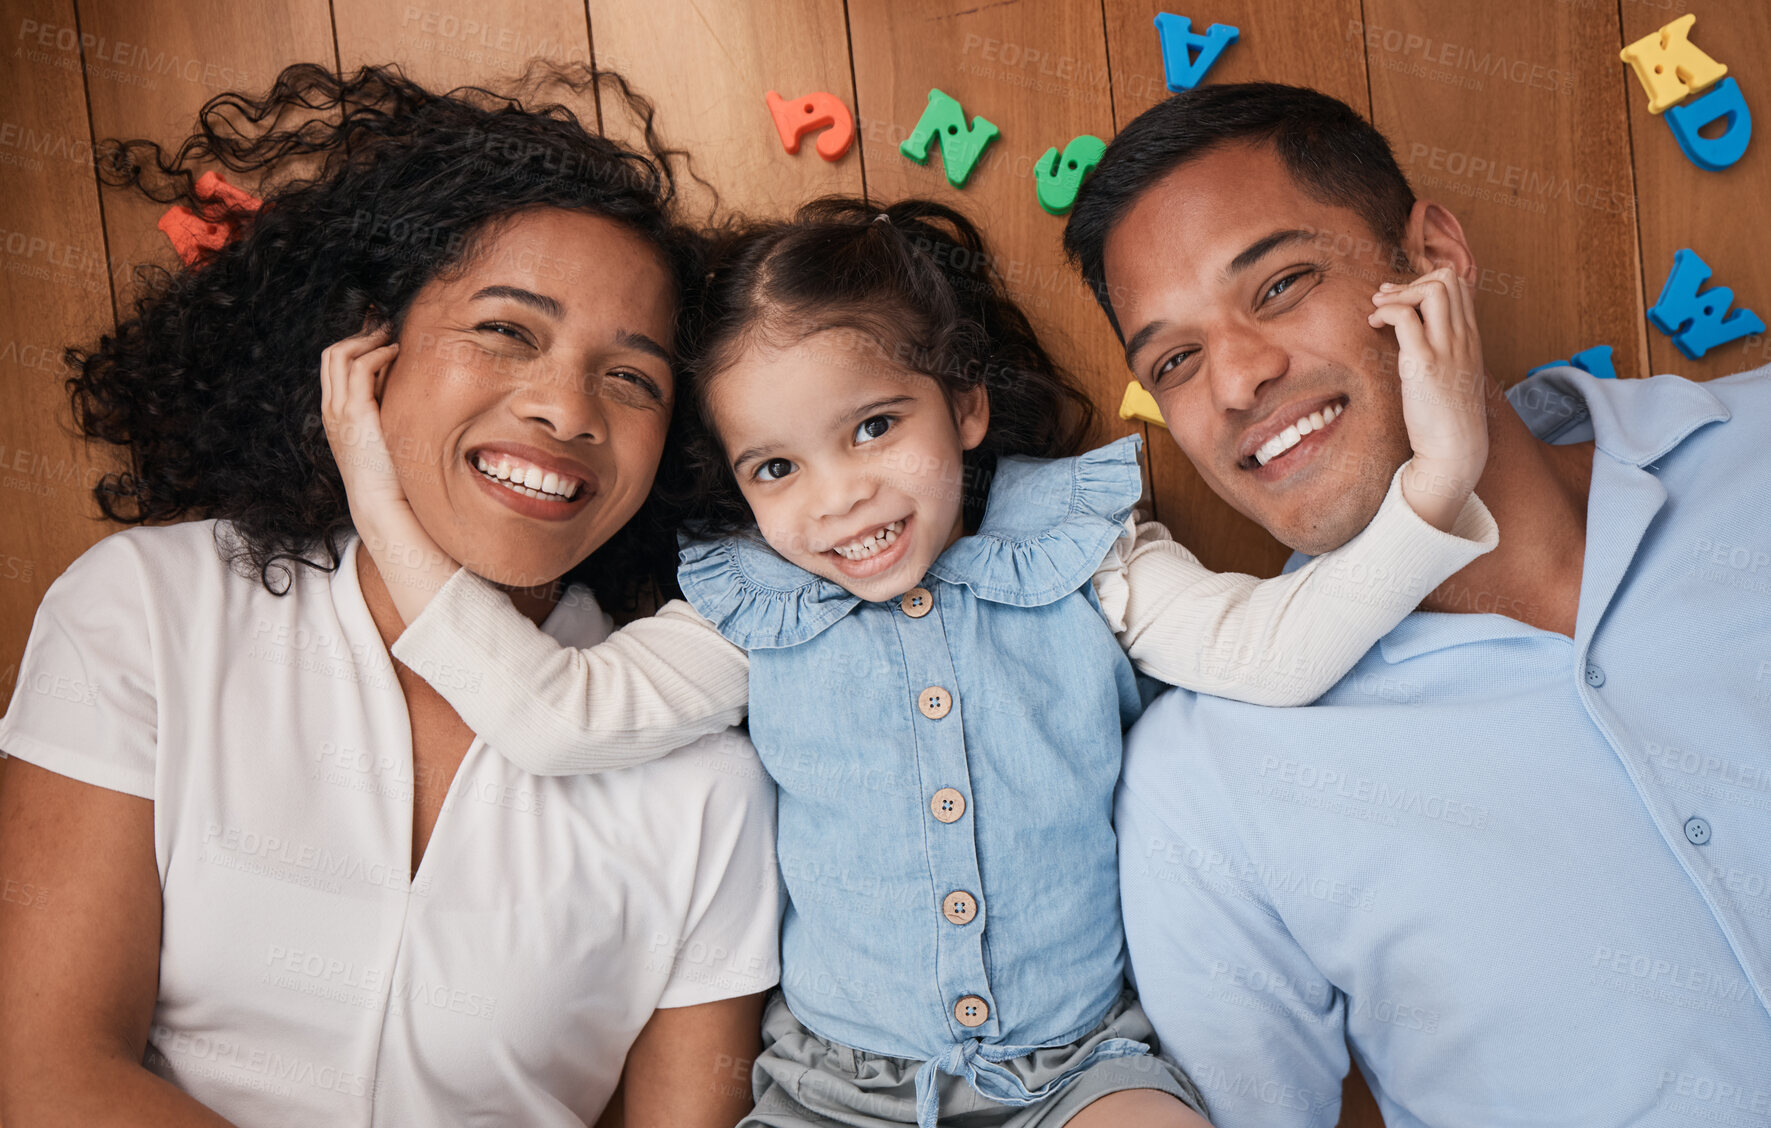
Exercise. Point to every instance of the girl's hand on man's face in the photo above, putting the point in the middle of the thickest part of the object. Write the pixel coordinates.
(1444, 388)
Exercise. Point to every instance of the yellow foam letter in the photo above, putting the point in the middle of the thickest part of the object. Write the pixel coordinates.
(1141, 405)
(1669, 66)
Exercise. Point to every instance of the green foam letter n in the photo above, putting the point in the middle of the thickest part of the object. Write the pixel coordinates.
(961, 145)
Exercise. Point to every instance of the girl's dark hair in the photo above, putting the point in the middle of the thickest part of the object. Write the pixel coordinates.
(373, 186)
(1331, 152)
(914, 281)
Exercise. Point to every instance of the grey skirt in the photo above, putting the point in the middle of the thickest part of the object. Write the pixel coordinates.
(801, 1079)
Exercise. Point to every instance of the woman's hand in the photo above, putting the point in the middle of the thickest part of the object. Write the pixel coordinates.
(412, 565)
(1444, 389)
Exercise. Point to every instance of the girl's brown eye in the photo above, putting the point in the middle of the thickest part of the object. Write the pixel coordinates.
(774, 469)
(872, 428)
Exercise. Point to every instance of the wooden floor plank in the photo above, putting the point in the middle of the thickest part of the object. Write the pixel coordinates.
(448, 43)
(1036, 69)
(1717, 214)
(53, 293)
(153, 63)
(707, 66)
(1507, 114)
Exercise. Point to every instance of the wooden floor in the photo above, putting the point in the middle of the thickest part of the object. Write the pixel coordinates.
(1515, 113)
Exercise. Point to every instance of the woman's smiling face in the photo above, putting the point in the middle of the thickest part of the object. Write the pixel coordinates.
(542, 360)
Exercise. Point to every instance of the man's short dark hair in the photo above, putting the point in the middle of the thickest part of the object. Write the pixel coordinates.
(1334, 154)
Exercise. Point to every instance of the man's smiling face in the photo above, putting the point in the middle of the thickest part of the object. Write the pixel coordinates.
(1250, 329)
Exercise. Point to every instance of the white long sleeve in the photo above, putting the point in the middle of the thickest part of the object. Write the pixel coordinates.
(653, 686)
(1287, 640)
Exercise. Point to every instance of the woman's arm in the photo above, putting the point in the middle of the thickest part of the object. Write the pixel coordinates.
(80, 957)
(690, 1066)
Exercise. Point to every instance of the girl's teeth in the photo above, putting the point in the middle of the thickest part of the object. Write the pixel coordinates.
(873, 543)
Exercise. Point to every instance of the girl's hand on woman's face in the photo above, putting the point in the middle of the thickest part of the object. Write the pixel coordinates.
(352, 373)
(351, 376)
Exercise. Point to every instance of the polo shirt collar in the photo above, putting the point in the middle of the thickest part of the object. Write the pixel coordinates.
(1634, 423)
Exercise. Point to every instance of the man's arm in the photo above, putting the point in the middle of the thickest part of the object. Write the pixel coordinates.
(80, 965)
(1233, 998)
(690, 1066)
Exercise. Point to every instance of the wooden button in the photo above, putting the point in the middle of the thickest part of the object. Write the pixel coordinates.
(934, 702)
(917, 602)
(971, 1011)
(959, 907)
(948, 805)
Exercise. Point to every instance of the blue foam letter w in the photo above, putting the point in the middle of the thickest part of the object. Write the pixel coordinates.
(1695, 320)
(1181, 69)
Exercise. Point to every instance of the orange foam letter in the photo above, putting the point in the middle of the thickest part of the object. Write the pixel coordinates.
(799, 116)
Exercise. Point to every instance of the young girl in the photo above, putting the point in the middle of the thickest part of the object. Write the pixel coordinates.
(935, 600)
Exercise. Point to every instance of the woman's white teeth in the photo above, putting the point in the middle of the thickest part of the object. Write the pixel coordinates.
(1292, 435)
(875, 542)
(530, 481)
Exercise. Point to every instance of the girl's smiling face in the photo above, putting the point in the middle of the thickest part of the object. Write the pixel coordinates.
(852, 465)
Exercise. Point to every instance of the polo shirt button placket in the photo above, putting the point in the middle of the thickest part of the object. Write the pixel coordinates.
(1595, 676)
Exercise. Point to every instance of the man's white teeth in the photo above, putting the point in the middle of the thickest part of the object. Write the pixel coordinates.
(1292, 435)
(871, 544)
(530, 481)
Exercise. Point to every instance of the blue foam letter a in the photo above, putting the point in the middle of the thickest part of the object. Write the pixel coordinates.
(1181, 69)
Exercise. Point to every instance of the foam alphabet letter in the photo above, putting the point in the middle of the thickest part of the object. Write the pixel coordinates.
(1669, 66)
(1595, 361)
(195, 237)
(1713, 153)
(1059, 178)
(1695, 320)
(961, 145)
(1181, 69)
(798, 117)
(1140, 405)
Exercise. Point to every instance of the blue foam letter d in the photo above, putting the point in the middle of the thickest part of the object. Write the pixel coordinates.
(1713, 153)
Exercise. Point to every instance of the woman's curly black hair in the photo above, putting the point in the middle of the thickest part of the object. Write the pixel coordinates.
(915, 281)
(373, 186)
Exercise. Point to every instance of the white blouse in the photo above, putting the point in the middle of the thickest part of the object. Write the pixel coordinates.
(307, 976)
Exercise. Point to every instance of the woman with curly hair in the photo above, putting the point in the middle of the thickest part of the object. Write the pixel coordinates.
(284, 882)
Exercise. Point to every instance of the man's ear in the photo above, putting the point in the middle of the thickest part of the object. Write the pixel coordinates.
(971, 414)
(1435, 238)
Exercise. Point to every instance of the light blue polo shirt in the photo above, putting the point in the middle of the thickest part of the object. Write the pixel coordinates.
(1527, 877)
